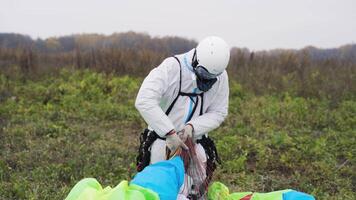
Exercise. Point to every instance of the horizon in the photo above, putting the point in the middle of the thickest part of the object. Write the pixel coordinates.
(151, 36)
(276, 24)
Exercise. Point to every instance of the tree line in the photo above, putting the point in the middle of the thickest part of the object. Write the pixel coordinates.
(308, 72)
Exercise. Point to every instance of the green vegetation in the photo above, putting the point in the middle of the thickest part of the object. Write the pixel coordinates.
(58, 129)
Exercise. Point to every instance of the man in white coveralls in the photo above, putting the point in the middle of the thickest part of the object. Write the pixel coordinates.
(185, 96)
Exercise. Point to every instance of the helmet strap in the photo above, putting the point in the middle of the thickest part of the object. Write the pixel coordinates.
(195, 59)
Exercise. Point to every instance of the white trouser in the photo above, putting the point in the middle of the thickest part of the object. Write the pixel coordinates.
(158, 153)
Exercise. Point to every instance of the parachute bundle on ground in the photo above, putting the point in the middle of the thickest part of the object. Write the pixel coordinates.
(90, 189)
(166, 180)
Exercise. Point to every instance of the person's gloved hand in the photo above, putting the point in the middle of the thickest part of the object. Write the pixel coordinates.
(173, 142)
(186, 132)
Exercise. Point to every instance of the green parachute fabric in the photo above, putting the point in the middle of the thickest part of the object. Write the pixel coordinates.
(219, 191)
(90, 189)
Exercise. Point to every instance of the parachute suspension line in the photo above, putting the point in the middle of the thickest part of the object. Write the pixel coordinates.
(196, 181)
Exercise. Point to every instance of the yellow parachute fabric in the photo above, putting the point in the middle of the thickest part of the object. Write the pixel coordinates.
(90, 189)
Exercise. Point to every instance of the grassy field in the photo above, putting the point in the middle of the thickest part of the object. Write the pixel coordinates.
(59, 129)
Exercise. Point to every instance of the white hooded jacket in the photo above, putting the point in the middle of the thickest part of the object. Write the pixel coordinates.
(161, 87)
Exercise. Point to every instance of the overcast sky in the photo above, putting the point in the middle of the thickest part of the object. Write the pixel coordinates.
(255, 24)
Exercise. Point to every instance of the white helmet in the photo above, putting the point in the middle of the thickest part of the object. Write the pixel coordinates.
(213, 53)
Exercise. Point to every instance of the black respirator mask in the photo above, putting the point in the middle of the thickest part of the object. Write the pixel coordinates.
(205, 79)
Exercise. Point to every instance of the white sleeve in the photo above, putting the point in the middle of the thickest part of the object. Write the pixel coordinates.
(216, 112)
(150, 94)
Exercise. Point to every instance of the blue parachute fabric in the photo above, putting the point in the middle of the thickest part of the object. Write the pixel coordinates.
(295, 195)
(165, 178)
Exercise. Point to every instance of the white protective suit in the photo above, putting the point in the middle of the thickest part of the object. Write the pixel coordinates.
(161, 87)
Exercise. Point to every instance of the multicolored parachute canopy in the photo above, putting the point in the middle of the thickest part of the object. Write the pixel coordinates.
(162, 181)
